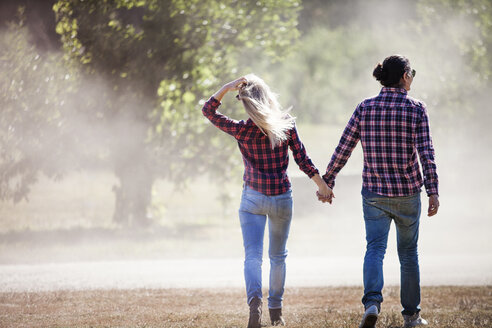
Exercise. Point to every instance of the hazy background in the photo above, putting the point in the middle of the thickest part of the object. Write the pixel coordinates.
(105, 155)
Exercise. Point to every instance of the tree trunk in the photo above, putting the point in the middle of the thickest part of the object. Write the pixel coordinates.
(134, 192)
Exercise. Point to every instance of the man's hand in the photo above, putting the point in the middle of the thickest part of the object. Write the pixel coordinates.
(433, 205)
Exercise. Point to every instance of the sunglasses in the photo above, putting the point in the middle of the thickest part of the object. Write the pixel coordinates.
(413, 72)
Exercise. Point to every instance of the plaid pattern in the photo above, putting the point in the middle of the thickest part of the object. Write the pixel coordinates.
(265, 169)
(392, 128)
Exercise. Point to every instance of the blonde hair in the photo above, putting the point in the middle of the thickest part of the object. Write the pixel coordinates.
(264, 110)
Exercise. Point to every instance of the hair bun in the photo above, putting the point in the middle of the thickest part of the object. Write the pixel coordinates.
(390, 72)
(378, 72)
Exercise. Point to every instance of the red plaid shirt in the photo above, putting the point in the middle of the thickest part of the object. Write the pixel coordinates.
(392, 128)
(265, 169)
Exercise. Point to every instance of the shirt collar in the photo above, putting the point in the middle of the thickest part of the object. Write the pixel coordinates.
(393, 90)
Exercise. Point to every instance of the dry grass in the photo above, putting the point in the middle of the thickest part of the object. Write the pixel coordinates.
(447, 307)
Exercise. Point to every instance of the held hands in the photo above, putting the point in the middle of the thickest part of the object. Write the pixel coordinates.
(325, 194)
(433, 205)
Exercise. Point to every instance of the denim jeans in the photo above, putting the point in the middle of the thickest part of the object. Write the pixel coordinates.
(379, 211)
(253, 212)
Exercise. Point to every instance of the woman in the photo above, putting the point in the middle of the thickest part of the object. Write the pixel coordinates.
(264, 140)
(393, 128)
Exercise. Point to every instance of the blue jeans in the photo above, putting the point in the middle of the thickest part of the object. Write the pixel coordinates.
(379, 211)
(253, 212)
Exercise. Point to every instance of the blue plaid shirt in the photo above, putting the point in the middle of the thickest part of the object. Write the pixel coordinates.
(392, 127)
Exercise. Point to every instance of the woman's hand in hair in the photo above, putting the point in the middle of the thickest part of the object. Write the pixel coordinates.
(236, 84)
(231, 86)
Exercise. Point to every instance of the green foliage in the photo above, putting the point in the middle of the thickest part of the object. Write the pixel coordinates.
(166, 55)
(468, 23)
(159, 61)
(34, 93)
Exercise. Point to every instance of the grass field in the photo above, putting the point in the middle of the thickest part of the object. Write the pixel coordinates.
(445, 307)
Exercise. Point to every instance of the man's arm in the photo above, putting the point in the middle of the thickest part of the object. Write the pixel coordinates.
(348, 141)
(423, 142)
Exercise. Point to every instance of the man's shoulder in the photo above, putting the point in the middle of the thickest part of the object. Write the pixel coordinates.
(416, 102)
(374, 101)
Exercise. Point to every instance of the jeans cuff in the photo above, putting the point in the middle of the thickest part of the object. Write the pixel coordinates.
(369, 304)
(407, 312)
(251, 298)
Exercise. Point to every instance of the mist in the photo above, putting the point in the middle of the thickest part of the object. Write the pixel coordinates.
(63, 152)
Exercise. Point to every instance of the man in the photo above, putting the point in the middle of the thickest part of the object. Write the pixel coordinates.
(392, 127)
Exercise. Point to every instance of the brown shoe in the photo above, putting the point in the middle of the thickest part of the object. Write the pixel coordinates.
(276, 317)
(255, 313)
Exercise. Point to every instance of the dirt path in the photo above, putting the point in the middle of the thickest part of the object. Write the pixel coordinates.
(219, 273)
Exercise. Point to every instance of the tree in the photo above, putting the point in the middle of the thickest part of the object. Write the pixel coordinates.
(157, 58)
(35, 93)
